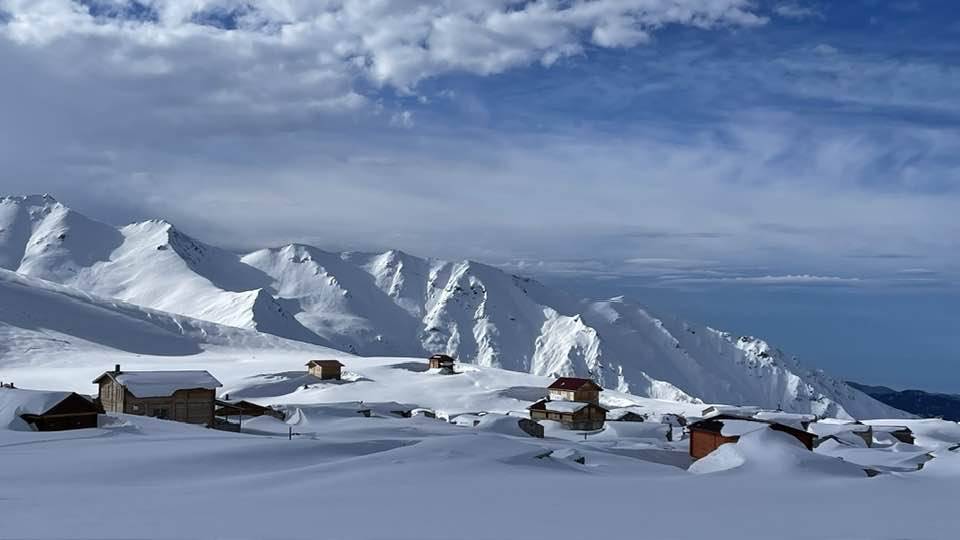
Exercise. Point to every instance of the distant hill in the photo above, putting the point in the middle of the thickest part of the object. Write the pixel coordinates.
(918, 402)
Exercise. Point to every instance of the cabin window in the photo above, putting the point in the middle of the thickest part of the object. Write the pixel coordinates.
(161, 413)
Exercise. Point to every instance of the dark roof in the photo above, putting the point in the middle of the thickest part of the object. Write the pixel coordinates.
(572, 383)
(442, 357)
(324, 363)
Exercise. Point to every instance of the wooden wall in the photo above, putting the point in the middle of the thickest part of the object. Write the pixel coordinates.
(704, 442)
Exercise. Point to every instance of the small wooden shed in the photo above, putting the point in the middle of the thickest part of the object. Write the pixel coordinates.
(900, 433)
(626, 414)
(442, 362)
(52, 411)
(709, 434)
(579, 415)
(227, 408)
(325, 369)
(575, 389)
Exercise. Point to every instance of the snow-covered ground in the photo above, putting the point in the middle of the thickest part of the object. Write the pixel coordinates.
(348, 476)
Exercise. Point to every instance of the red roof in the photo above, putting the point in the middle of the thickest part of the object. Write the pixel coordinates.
(572, 383)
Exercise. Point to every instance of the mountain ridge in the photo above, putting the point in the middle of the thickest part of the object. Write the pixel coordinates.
(397, 304)
(919, 402)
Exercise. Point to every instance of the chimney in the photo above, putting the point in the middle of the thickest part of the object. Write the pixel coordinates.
(116, 369)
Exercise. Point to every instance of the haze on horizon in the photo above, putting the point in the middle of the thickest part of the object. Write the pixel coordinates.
(789, 169)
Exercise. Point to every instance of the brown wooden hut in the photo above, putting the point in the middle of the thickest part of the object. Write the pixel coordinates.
(325, 369)
(574, 389)
(227, 408)
(900, 433)
(442, 362)
(56, 411)
(184, 396)
(626, 414)
(707, 435)
(585, 416)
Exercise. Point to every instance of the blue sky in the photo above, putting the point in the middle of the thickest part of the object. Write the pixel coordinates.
(785, 168)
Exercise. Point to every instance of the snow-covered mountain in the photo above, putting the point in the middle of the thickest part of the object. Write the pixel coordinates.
(393, 303)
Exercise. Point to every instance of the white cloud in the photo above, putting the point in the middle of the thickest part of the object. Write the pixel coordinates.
(788, 279)
(791, 10)
(395, 43)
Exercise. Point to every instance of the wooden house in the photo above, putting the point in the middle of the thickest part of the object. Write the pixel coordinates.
(184, 396)
(442, 362)
(574, 389)
(228, 408)
(579, 415)
(325, 369)
(842, 431)
(51, 411)
(900, 433)
(710, 433)
(626, 414)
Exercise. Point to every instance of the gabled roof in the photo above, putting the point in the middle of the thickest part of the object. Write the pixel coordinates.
(573, 383)
(567, 407)
(443, 358)
(623, 412)
(324, 363)
(35, 402)
(147, 384)
(729, 425)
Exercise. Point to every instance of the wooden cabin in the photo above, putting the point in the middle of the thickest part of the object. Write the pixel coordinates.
(709, 434)
(442, 362)
(325, 369)
(227, 408)
(574, 389)
(583, 416)
(626, 414)
(184, 396)
(51, 411)
(843, 432)
(900, 433)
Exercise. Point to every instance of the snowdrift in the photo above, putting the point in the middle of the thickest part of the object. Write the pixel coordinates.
(769, 452)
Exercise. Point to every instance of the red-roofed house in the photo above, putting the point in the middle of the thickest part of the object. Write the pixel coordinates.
(574, 389)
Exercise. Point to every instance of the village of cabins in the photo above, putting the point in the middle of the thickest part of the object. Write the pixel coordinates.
(574, 403)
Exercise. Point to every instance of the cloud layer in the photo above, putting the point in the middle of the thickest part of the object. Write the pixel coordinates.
(687, 136)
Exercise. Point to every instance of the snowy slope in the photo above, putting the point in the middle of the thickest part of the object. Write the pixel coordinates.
(396, 304)
(49, 324)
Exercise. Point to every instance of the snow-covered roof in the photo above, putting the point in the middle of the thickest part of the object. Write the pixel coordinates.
(889, 429)
(15, 402)
(30, 401)
(146, 384)
(736, 428)
(564, 406)
(826, 429)
(616, 414)
(785, 417)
